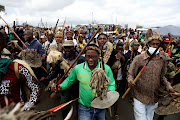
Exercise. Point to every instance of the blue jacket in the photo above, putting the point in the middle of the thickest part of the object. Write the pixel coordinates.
(35, 46)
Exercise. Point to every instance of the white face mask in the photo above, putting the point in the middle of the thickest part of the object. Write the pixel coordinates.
(151, 50)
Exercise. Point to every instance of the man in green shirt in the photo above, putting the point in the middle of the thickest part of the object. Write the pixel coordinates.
(82, 73)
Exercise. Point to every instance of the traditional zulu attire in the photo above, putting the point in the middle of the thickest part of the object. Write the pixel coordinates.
(54, 47)
(145, 92)
(109, 54)
(18, 82)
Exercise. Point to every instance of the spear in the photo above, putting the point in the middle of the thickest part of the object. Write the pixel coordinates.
(142, 70)
(75, 60)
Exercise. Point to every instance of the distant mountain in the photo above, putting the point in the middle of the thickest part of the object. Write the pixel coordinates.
(173, 30)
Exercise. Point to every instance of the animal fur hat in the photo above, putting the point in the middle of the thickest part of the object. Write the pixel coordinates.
(54, 56)
(151, 35)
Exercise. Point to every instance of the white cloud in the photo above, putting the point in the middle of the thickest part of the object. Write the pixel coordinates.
(142, 12)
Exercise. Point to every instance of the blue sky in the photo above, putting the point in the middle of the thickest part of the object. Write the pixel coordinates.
(147, 13)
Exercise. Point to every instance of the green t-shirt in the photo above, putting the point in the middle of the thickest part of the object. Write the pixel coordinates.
(82, 73)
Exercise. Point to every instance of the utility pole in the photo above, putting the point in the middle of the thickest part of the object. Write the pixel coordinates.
(92, 18)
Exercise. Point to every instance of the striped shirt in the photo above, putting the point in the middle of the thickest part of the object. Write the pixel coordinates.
(82, 73)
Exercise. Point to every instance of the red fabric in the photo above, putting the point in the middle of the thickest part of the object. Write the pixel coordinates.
(169, 52)
(12, 86)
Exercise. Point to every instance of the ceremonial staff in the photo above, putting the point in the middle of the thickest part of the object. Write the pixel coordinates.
(64, 27)
(75, 61)
(54, 33)
(56, 26)
(142, 70)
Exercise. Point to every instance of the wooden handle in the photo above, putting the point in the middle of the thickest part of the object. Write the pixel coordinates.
(53, 94)
(134, 81)
(80, 54)
(75, 60)
(44, 69)
(61, 106)
(171, 39)
(66, 104)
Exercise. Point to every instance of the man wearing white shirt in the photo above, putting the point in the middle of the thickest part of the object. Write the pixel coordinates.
(50, 41)
(69, 36)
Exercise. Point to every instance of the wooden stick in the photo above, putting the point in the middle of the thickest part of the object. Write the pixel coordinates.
(61, 106)
(20, 39)
(64, 25)
(110, 111)
(56, 26)
(79, 55)
(171, 39)
(44, 69)
(164, 35)
(142, 70)
(64, 28)
(134, 81)
(75, 60)
(132, 51)
(66, 104)
(177, 94)
(14, 33)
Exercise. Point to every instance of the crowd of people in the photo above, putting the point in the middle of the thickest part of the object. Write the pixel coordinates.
(122, 54)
